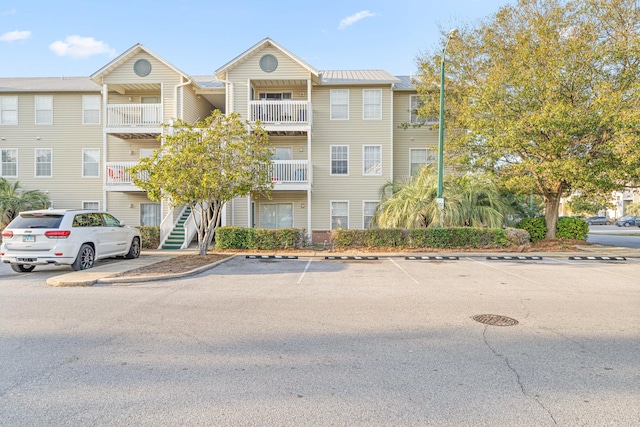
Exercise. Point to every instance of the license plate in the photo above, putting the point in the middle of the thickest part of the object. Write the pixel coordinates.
(26, 259)
(28, 238)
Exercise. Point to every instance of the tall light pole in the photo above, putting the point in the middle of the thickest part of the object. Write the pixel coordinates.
(440, 199)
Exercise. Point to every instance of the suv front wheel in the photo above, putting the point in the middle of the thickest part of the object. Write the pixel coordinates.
(22, 268)
(134, 250)
(86, 257)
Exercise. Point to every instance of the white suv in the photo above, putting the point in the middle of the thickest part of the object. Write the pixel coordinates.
(66, 237)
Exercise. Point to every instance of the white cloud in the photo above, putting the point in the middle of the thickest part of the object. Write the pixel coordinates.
(346, 22)
(9, 12)
(80, 47)
(15, 35)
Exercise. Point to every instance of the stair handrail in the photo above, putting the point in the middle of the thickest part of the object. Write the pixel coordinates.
(168, 224)
(190, 228)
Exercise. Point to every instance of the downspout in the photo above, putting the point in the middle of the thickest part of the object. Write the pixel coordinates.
(391, 145)
(105, 92)
(309, 165)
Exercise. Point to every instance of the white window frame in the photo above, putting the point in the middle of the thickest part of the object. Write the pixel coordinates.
(5, 109)
(43, 104)
(372, 170)
(429, 158)
(84, 170)
(275, 96)
(158, 208)
(2, 162)
(371, 111)
(331, 215)
(414, 106)
(331, 159)
(334, 114)
(36, 163)
(85, 204)
(86, 107)
(277, 213)
(364, 212)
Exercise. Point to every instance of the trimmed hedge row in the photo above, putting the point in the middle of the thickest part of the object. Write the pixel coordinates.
(461, 237)
(150, 236)
(259, 238)
(566, 228)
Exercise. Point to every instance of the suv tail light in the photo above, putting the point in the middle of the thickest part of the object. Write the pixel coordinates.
(7, 233)
(57, 234)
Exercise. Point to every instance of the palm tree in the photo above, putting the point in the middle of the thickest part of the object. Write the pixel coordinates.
(14, 200)
(471, 200)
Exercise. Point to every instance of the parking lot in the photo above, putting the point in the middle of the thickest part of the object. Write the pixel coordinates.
(311, 341)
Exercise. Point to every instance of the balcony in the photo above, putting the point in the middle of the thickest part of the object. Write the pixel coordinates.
(119, 178)
(291, 175)
(134, 121)
(281, 115)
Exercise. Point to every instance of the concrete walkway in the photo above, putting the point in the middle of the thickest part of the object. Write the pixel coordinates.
(104, 271)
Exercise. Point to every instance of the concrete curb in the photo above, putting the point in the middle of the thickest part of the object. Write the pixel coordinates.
(135, 279)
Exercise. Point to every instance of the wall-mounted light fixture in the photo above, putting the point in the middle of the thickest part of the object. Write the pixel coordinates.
(38, 138)
(4, 139)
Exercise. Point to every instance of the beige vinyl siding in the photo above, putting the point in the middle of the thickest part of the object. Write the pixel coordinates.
(288, 69)
(119, 204)
(405, 139)
(354, 133)
(195, 107)
(298, 145)
(120, 150)
(240, 216)
(66, 137)
(166, 78)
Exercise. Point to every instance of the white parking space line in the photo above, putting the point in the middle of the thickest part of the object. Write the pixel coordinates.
(404, 271)
(590, 266)
(505, 271)
(305, 271)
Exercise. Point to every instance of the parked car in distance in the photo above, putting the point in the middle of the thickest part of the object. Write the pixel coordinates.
(626, 221)
(638, 221)
(66, 237)
(597, 220)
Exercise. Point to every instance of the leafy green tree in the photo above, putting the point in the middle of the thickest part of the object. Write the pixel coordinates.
(633, 209)
(14, 200)
(205, 165)
(472, 200)
(589, 205)
(545, 94)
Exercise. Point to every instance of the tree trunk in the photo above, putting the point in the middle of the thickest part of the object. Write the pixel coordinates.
(551, 208)
(209, 219)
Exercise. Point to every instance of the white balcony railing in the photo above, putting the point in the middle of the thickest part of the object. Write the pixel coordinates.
(118, 173)
(134, 115)
(290, 172)
(280, 112)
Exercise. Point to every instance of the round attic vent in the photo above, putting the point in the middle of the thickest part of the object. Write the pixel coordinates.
(268, 63)
(142, 67)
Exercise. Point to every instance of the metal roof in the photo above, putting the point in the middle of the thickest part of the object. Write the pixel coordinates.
(207, 82)
(406, 83)
(346, 77)
(48, 84)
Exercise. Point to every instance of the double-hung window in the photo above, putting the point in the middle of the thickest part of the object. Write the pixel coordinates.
(418, 158)
(339, 215)
(339, 160)
(372, 104)
(44, 157)
(368, 211)
(90, 162)
(91, 109)
(44, 110)
(95, 205)
(150, 214)
(372, 160)
(8, 110)
(339, 104)
(415, 104)
(9, 164)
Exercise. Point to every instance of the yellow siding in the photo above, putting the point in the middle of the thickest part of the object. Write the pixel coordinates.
(354, 133)
(405, 139)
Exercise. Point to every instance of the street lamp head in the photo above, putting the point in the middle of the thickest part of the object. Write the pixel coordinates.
(453, 33)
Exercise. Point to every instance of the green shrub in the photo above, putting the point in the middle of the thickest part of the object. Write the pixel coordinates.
(150, 236)
(537, 228)
(259, 238)
(572, 228)
(347, 238)
(385, 237)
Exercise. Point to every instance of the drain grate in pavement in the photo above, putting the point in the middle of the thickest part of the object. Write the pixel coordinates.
(272, 257)
(495, 320)
(512, 258)
(357, 258)
(431, 258)
(597, 258)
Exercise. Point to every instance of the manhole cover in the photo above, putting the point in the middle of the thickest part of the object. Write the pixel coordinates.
(495, 320)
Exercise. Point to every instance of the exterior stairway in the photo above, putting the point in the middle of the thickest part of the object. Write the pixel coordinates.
(176, 237)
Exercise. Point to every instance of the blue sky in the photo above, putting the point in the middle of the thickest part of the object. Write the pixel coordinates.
(76, 38)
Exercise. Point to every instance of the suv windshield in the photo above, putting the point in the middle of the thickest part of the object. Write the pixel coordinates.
(36, 221)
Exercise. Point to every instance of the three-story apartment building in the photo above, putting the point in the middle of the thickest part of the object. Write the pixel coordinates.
(336, 135)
